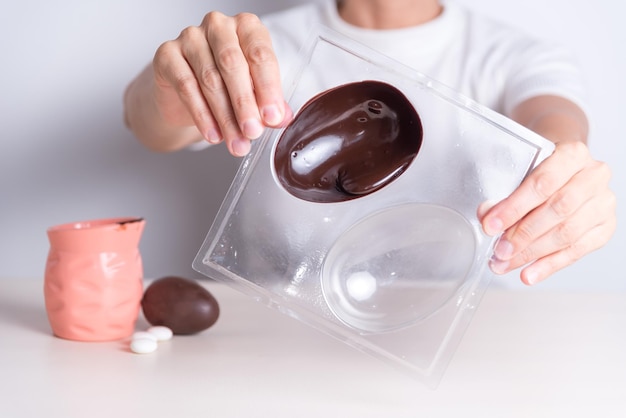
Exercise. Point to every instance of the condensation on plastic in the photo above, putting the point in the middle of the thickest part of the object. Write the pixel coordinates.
(398, 273)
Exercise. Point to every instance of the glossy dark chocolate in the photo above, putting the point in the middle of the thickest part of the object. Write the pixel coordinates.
(348, 142)
(179, 304)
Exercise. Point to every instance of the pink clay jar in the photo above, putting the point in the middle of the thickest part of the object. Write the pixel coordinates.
(94, 279)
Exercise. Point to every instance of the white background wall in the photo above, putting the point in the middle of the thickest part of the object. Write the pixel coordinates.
(66, 156)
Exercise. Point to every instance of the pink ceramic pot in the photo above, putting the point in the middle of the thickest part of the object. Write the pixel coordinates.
(94, 279)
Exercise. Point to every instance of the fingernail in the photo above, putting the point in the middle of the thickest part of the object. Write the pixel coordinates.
(494, 226)
(241, 147)
(272, 115)
(213, 136)
(499, 266)
(504, 250)
(252, 128)
(532, 277)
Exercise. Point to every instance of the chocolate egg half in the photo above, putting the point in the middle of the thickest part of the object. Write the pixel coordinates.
(348, 142)
(179, 304)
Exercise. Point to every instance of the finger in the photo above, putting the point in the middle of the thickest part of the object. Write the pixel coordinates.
(172, 71)
(256, 44)
(196, 52)
(288, 116)
(583, 187)
(546, 266)
(484, 207)
(551, 175)
(234, 73)
(569, 231)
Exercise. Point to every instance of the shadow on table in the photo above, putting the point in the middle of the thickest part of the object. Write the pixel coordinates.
(29, 314)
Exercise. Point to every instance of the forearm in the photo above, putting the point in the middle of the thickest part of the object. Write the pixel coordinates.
(555, 118)
(143, 118)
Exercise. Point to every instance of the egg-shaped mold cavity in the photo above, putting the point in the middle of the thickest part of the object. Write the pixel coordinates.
(348, 142)
(396, 267)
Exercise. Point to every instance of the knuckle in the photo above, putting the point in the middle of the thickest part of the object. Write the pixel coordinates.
(213, 18)
(228, 124)
(565, 234)
(544, 184)
(246, 18)
(576, 150)
(185, 85)
(211, 79)
(524, 233)
(229, 58)
(244, 101)
(576, 251)
(579, 148)
(604, 170)
(609, 229)
(611, 201)
(527, 255)
(190, 32)
(200, 114)
(259, 54)
(164, 51)
(563, 204)
(607, 204)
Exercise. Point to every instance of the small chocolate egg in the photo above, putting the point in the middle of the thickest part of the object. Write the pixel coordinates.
(180, 304)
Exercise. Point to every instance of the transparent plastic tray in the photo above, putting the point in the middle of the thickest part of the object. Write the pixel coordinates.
(396, 273)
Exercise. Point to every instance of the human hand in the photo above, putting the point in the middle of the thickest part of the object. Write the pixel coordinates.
(222, 77)
(562, 211)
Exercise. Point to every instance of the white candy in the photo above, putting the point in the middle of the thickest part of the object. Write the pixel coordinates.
(161, 333)
(144, 342)
(143, 345)
(144, 334)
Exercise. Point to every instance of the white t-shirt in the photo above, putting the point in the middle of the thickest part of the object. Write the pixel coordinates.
(496, 65)
(492, 63)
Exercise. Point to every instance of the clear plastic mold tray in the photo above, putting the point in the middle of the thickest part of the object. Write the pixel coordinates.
(396, 273)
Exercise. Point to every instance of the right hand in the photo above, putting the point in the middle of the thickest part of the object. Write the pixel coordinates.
(223, 77)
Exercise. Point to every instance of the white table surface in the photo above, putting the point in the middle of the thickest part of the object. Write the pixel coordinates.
(527, 353)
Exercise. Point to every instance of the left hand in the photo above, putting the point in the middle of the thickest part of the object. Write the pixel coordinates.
(562, 211)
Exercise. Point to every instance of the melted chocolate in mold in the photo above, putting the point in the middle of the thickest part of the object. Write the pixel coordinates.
(348, 142)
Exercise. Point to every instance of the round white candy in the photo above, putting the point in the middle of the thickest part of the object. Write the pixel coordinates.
(161, 332)
(144, 334)
(143, 345)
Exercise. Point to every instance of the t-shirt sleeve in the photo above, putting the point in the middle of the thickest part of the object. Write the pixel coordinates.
(541, 68)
